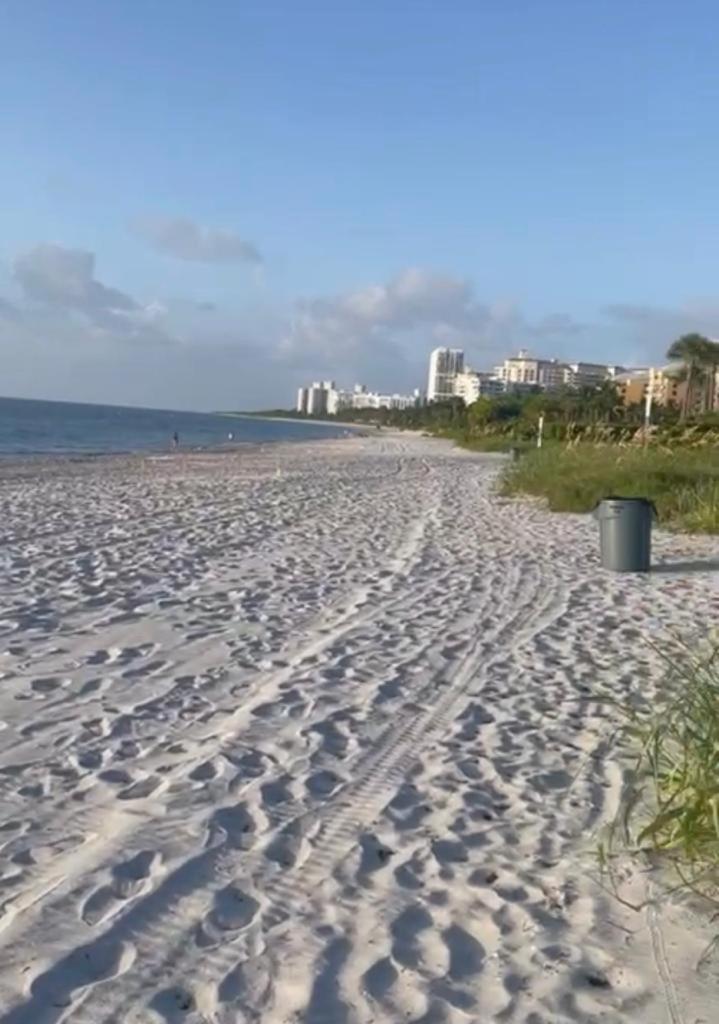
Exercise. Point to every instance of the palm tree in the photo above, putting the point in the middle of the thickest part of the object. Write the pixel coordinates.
(695, 351)
(711, 367)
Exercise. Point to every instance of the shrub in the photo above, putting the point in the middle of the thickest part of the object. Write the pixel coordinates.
(672, 806)
(682, 483)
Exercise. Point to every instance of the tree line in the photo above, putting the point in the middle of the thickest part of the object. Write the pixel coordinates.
(699, 359)
(697, 356)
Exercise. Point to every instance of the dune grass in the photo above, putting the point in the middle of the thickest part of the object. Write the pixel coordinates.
(671, 807)
(682, 483)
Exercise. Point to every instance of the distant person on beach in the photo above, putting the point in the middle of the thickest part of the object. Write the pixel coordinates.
(175, 440)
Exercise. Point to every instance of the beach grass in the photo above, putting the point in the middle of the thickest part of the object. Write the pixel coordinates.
(671, 807)
(682, 483)
(489, 442)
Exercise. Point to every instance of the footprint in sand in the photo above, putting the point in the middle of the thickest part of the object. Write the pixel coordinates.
(466, 954)
(408, 808)
(249, 765)
(323, 784)
(405, 930)
(333, 740)
(174, 1004)
(235, 826)
(291, 845)
(85, 966)
(207, 771)
(95, 687)
(143, 788)
(379, 979)
(45, 686)
(374, 855)
(130, 879)
(233, 910)
(277, 792)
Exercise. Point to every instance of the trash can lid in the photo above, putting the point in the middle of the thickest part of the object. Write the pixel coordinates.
(646, 502)
(625, 497)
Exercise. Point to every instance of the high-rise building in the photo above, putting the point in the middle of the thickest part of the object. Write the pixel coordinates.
(302, 398)
(337, 400)
(317, 398)
(444, 365)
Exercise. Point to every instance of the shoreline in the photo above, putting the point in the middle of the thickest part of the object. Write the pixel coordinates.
(337, 424)
(226, 448)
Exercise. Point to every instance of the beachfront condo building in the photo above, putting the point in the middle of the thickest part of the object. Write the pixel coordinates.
(444, 365)
(325, 398)
(318, 395)
(360, 398)
(666, 384)
(580, 375)
(473, 384)
(523, 372)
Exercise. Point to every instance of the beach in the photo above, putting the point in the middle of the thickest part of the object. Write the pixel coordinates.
(318, 732)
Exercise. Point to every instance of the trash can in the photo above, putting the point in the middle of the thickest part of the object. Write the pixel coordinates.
(516, 453)
(625, 533)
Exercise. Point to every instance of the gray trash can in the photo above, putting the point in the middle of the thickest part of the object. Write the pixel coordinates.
(625, 533)
(516, 453)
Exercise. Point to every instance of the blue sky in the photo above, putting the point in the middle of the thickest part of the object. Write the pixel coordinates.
(205, 203)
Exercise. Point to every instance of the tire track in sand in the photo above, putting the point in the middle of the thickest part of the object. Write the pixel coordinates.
(359, 610)
(165, 944)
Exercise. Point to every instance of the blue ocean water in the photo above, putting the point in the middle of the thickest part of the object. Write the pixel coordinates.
(44, 428)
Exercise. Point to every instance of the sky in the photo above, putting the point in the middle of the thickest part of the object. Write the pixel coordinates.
(203, 206)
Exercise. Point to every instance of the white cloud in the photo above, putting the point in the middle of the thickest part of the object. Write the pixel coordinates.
(66, 277)
(186, 240)
(54, 278)
(378, 315)
(390, 328)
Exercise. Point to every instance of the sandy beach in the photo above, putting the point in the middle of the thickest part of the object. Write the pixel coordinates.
(316, 733)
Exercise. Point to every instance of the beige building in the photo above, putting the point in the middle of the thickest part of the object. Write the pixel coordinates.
(667, 388)
(471, 384)
(525, 371)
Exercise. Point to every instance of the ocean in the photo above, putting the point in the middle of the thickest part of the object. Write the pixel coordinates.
(65, 428)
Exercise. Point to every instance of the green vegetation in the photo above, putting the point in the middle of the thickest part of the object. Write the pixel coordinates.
(682, 483)
(671, 807)
(591, 413)
(700, 357)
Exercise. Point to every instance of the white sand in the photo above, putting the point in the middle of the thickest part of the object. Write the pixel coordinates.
(312, 734)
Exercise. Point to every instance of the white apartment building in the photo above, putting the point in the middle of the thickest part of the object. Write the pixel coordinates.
(318, 397)
(578, 375)
(472, 384)
(323, 397)
(525, 371)
(338, 399)
(361, 398)
(444, 365)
